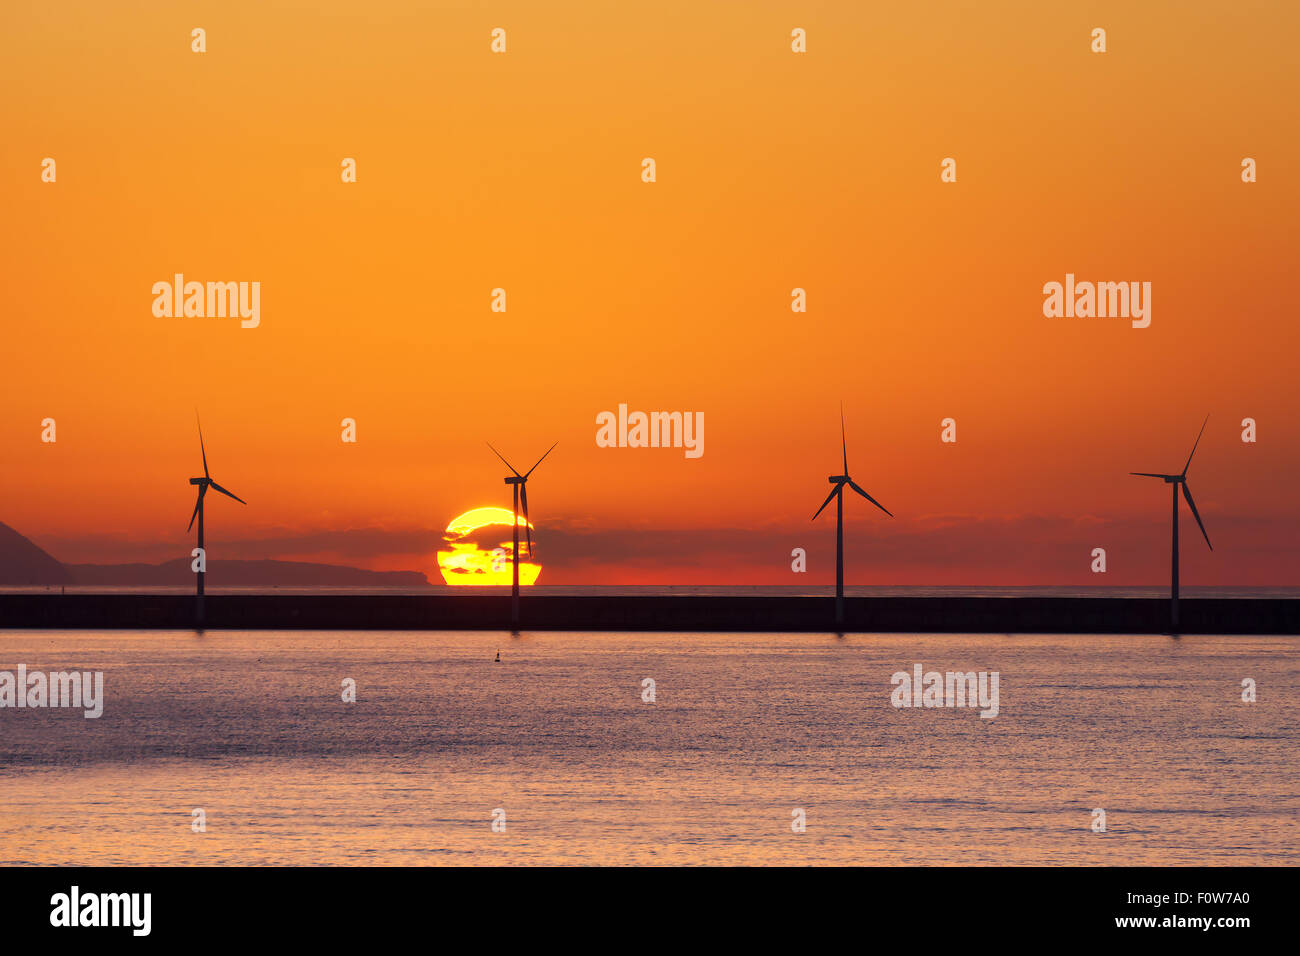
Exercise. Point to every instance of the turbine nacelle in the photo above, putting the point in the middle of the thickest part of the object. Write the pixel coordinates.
(204, 483)
(841, 481)
(1181, 479)
(521, 498)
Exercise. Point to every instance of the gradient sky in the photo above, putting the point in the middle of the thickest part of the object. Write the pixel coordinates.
(775, 170)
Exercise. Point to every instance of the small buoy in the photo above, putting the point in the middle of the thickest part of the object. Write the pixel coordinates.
(498, 655)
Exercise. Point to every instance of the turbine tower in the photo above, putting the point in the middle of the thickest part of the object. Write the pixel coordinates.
(839, 481)
(520, 483)
(204, 483)
(1175, 482)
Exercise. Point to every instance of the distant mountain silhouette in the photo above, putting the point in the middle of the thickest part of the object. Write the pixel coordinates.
(23, 563)
(244, 574)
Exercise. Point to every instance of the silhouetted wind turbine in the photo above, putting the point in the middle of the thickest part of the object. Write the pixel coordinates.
(1176, 481)
(520, 483)
(839, 481)
(204, 483)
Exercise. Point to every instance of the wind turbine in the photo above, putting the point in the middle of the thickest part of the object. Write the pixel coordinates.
(839, 481)
(1175, 481)
(520, 483)
(204, 483)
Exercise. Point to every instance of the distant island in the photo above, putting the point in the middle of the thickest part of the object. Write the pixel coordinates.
(24, 563)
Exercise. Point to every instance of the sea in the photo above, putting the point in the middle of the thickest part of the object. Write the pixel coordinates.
(229, 747)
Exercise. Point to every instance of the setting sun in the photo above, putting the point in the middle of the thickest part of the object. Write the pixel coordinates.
(481, 545)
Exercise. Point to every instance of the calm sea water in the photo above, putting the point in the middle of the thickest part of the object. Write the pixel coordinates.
(745, 728)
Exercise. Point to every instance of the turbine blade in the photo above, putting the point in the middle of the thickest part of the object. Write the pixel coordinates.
(854, 485)
(202, 450)
(1151, 474)
(1188, 495)
(844, 445)
(1197, 442)
(523, 498)
(539, 461)
(217, 487)
(197, 502)
(502, 457)
(834, 491)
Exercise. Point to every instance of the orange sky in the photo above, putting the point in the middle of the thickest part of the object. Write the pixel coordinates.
(775, 170)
